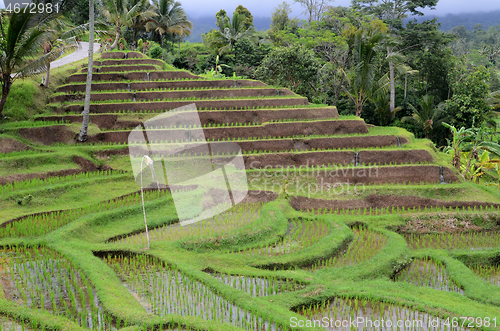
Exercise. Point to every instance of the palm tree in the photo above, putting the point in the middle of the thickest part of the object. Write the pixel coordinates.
(64, 39)
(382, 102)
(86, 108)
(170, 18)
(145, 14)
(362, 83)
(121, 14)
(429, 117)
(22, 37)
(230, 31)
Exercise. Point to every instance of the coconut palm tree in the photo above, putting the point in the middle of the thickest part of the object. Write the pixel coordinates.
(86, 108)
(121, 14)
(429, 117)
(362, 82)
(22, 36)
(145, 14)
(170, 18)
(230, 31)
(382, 103)
(66, 38)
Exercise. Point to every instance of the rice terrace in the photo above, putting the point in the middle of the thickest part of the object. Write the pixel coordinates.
(212, 201)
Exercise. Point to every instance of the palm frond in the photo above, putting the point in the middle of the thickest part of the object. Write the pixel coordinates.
(40, 64)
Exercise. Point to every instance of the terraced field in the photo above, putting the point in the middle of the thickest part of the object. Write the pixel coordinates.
(342, 222)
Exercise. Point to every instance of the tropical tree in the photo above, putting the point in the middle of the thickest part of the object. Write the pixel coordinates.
(295, 67)
(470, 91)
(242, 11)
(471, 144)
(121, 14)
(88, 87)
(230, 31)
(362, 82)
(455, 145)
(64, 38)
(382, 103)
(313, 8)
(392, 12)
(145, 14)
(22, 36)
(473, 149)
(429, 117)
(170, 18)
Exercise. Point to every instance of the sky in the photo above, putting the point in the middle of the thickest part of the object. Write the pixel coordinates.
(196, 8)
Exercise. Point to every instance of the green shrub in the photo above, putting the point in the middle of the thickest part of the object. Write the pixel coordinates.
(155, 52)
(168, 57)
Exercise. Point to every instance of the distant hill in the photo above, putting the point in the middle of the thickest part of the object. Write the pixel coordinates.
(450, 21)
(204, 24)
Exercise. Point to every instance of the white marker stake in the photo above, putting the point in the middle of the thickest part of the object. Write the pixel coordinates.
(149, 163)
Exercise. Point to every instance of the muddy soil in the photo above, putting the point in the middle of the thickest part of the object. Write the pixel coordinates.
(48, 135)
(181, 84)
(335, 158)
(380, 201)
(151, 96)
(126, 62)
(9, 145)
(200, 104)
(277, 145)
(385, 175)
(121, 55)
(123, 68)
(266, 130)
(110, 121)
(444, 224)
(153, 75)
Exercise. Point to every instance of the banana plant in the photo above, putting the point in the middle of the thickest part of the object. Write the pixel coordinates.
(455, 145)
(479, 143)
(484, 164)
(497, 169)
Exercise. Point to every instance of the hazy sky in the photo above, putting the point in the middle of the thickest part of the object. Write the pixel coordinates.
(265, 7)
(197, 8)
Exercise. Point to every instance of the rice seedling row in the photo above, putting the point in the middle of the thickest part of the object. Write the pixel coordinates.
(259, 286)
(163, 290)
(37, 182)
(7, 324)
(360, 314)
(42, 279)
(430, 273)
(119, 101)
(470, 240)
(216, 226)
(300, 234)
(490, 273)
(43, 223)
(366, 244)
(400, 209)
